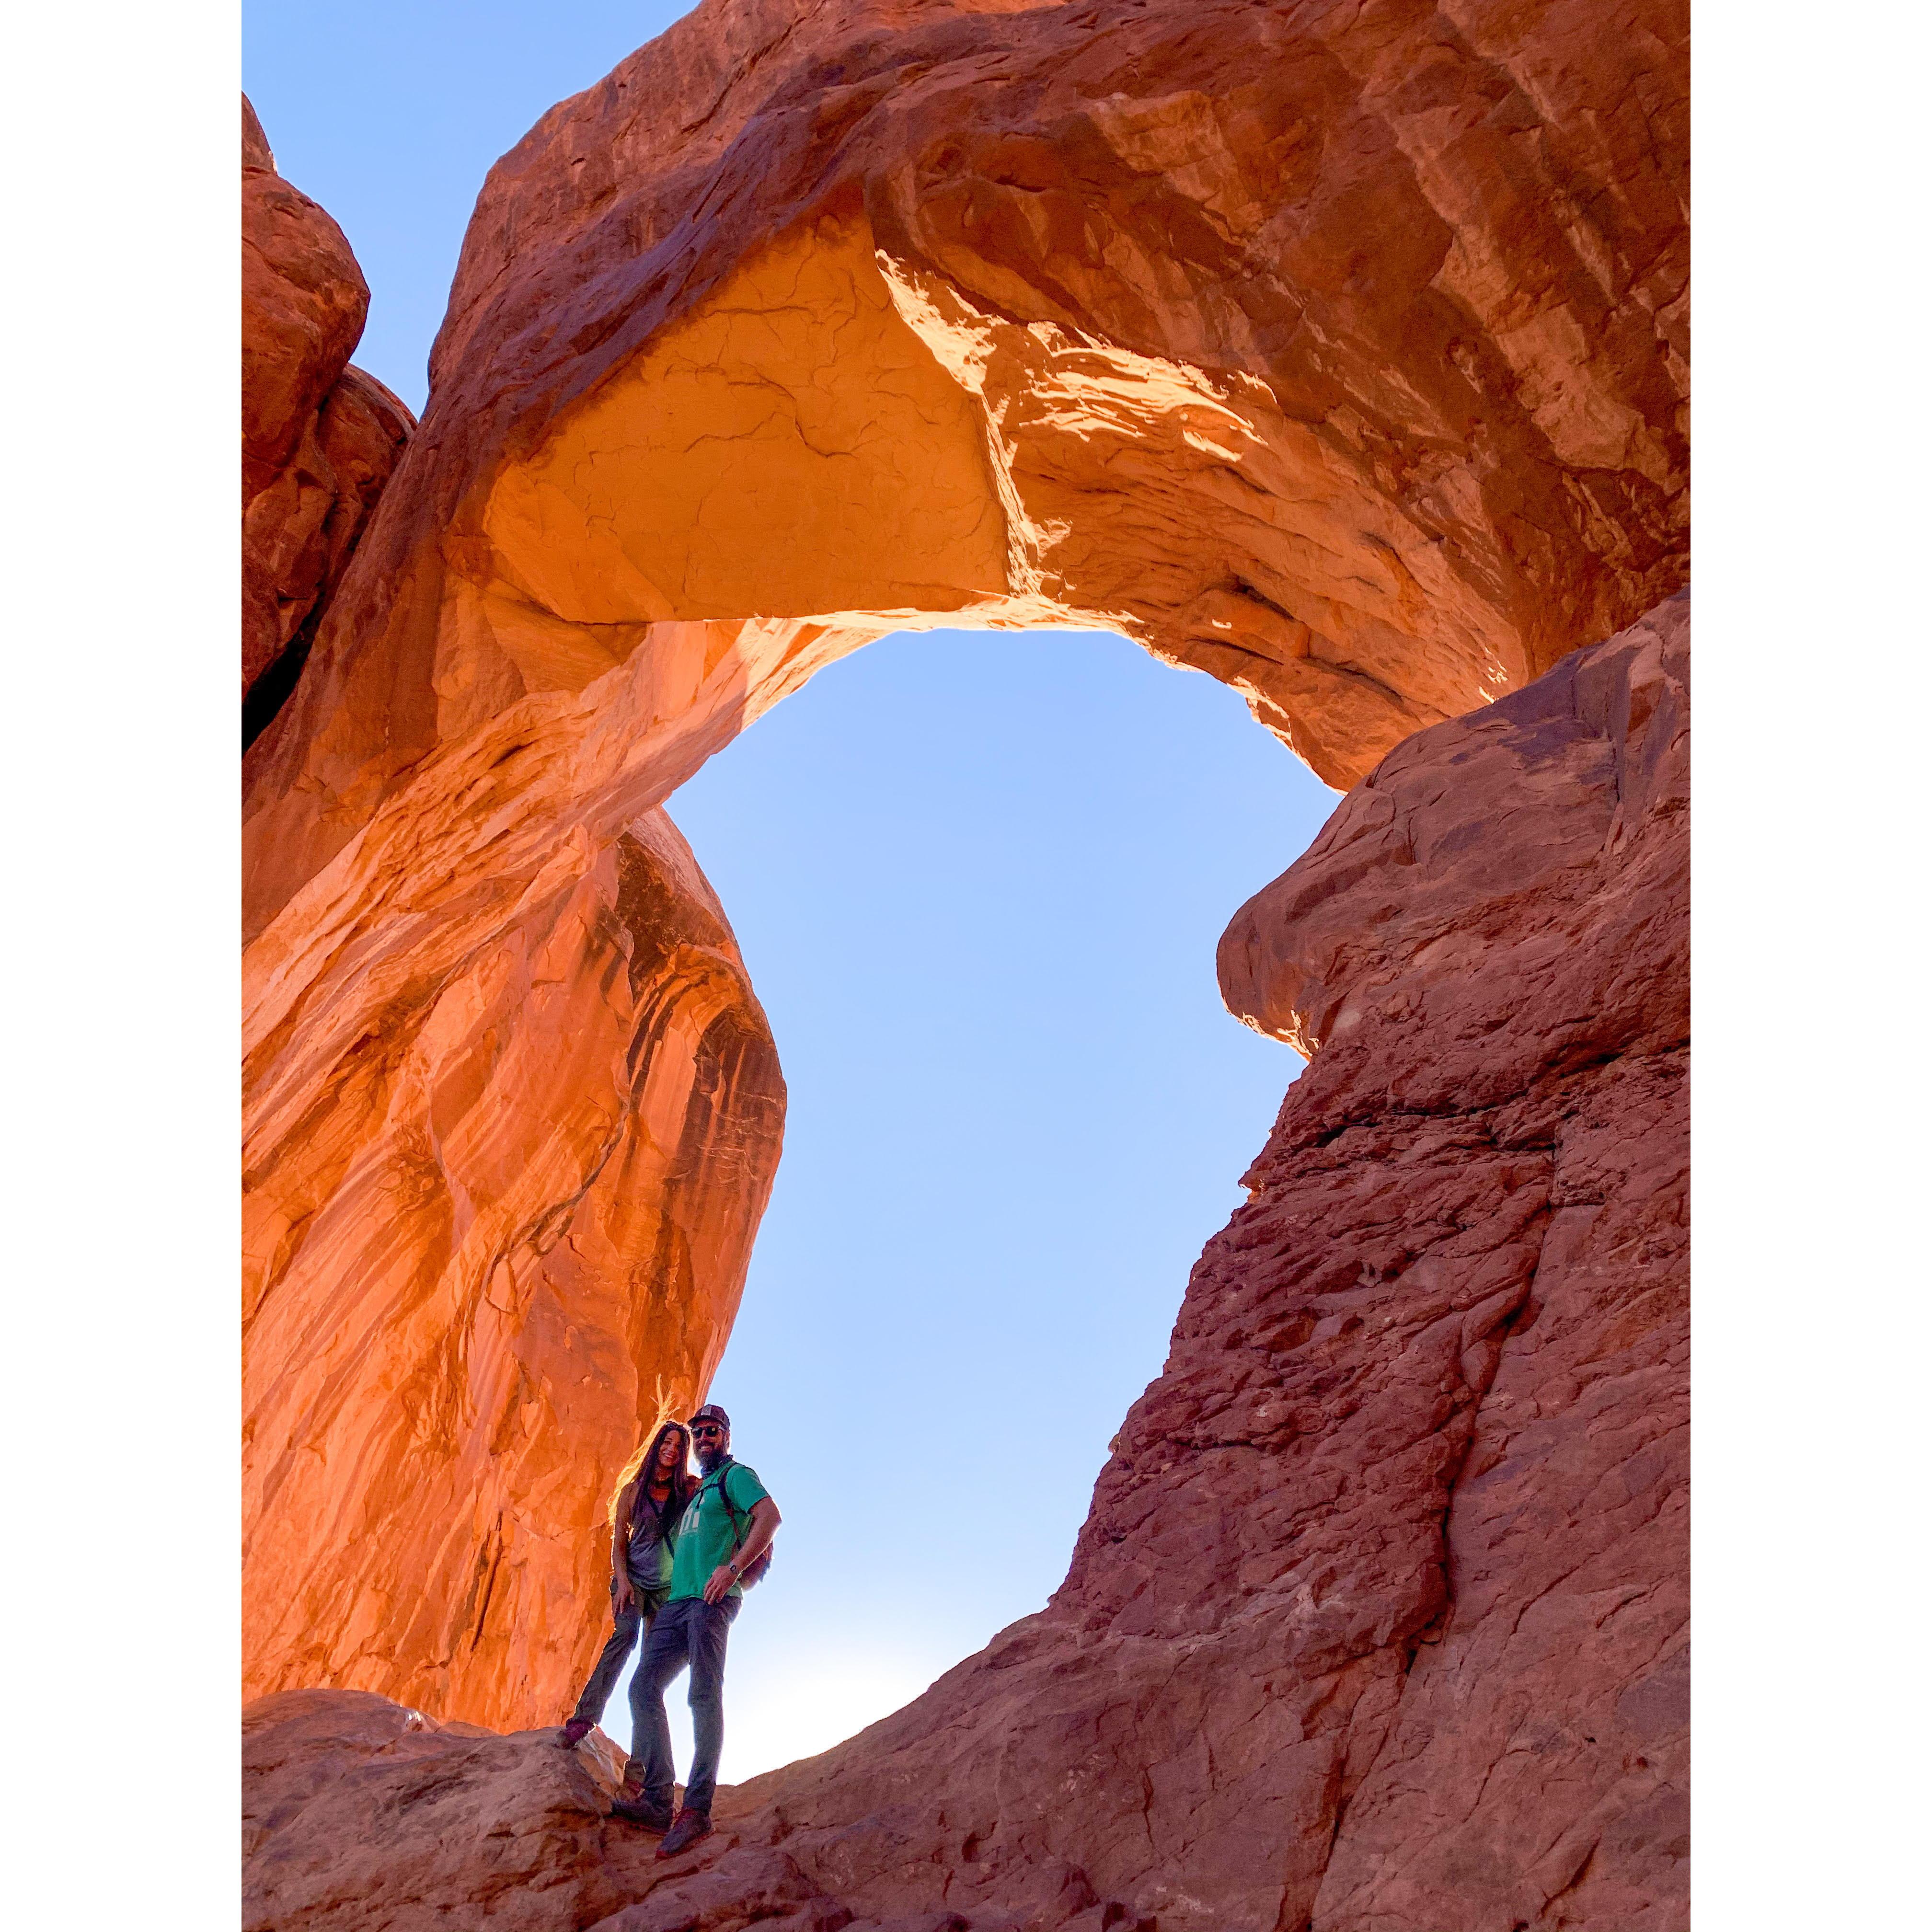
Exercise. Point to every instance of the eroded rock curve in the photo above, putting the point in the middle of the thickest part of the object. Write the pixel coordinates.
(1334, 350)
(1338, 351)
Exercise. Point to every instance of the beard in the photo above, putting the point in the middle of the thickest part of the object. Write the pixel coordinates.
(710, 1456)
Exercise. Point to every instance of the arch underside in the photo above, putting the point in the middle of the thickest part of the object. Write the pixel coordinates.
(1339, 353)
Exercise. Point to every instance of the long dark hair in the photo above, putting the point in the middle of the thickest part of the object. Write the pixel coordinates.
(683, 1484)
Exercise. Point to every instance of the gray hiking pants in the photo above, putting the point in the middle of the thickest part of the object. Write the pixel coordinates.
(689, 1633)
(636, 1616)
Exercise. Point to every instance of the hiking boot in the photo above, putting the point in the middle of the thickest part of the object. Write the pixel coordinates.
(574, 1733)
(639, 1809)
(691, 1826)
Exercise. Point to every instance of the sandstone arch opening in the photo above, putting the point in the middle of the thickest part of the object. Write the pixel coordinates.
(923, 457)
(1016, 1110)
(549, 622)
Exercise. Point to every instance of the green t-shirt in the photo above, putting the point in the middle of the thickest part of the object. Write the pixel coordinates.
(707, 1534)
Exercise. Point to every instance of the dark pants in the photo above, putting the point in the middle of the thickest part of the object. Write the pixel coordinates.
(687, 1631)
(626, 1623)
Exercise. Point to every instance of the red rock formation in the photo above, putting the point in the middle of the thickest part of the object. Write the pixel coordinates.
(506, 1154)
(320, 439)
(1378, 1619)
(1334, 349)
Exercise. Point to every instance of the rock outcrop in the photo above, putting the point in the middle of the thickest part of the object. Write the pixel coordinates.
(320, 439)
(1378, 1620)
(505, 1830)
(500, 1190)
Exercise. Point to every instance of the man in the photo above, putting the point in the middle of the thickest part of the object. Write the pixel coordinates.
(726, 1527)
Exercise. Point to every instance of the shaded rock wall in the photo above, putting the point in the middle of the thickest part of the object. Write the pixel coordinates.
(1378, 1616)
(1336, 349)
(1378, 1619)
(320, 439)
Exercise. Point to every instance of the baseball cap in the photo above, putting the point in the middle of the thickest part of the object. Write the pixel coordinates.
(711, 1412)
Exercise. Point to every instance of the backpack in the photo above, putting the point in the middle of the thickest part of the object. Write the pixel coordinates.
(754, 1573)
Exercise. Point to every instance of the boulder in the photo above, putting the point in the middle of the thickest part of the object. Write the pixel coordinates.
(358, 1812)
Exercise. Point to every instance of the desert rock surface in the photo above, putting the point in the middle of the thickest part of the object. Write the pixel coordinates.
(508, 1174)
(1338, 351)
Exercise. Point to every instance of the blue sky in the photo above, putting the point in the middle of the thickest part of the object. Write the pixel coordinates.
(978, 879)
(391, 114)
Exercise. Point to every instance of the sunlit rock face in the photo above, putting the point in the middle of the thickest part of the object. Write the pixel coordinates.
(1379, 1618)
(320, 439)
(1335, 350)
(502, 1176)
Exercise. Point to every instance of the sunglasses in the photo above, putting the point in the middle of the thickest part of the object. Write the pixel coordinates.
(705, 1428)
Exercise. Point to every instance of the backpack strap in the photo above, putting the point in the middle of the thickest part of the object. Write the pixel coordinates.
(725, 1497)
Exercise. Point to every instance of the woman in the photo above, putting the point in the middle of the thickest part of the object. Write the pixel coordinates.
(648, 1508)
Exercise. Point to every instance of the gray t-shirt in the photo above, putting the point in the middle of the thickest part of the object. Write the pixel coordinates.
(648, 1556)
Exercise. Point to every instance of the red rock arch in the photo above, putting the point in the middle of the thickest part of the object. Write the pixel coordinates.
(1337, 351)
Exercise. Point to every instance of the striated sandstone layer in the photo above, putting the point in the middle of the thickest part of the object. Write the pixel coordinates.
(1336, 349)
(1379, 1620)
(320, 439)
